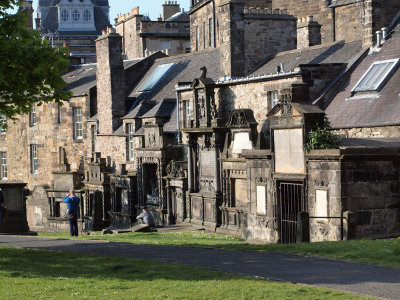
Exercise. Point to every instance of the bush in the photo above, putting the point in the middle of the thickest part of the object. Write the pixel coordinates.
(322, 138)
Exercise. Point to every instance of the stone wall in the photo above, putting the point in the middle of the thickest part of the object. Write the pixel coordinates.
(111, 86)
(252, 95)
(266, 35)
(324, 179)
(199, 23)
(50, 136)
(114, 150)
(370, 132)
(261, 225)
(355, 186)
(129, 29)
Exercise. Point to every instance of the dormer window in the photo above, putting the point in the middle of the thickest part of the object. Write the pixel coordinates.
(65, 15)
(87, 15)
(376, 76)
(76, 15)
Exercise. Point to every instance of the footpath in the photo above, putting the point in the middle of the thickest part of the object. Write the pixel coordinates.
(356, 278)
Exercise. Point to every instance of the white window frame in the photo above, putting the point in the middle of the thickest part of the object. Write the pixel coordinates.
(3, 165)
(187, 113)
(3, 120)
(32, 116)
(380, 78)
(274, 98)
(78, 128)
(34, 159)
(129, 131)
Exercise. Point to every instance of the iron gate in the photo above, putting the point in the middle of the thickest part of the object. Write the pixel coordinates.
(291, 196)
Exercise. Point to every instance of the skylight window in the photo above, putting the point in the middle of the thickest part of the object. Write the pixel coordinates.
(155, 77)
(376, 76)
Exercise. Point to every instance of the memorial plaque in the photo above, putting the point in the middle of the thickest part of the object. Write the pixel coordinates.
(261, 203)
(241, 193)
(321, 204)
(289, 155)
(241, 142)
(207, 162)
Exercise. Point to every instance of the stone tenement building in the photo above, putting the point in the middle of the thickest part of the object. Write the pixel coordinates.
(223, 147)
(141, 36)
(76, 23)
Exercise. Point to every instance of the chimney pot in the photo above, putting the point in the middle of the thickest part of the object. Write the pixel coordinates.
(310, 18)
(378, 38)
(384, 33)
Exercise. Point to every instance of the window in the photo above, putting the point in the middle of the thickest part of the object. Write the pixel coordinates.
(129, 131)
(152, 80)
(87, 15)
(204, 35)
(3, 122)
(3, 165)
(186, 114)
(376, 76)
(197, 38)
(59, 113)
(210, 32)
(34, 159)
(76, 15)
(78, 129)
(274, 99)
(65, 15)
(32, 116)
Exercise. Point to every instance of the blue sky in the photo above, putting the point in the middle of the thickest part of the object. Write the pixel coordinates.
(147, 7)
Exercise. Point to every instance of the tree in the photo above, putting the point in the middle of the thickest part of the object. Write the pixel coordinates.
(30, 70)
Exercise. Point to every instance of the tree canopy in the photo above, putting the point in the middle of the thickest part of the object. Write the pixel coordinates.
(30, 70)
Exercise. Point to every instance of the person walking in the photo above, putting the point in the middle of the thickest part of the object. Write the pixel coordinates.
(73, 208)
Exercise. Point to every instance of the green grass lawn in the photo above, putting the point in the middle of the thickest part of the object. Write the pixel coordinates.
(385, 252)
(30, 274)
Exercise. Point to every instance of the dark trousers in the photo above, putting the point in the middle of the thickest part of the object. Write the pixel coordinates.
(73, 225)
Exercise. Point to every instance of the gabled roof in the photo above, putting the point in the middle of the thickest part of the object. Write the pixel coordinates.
(347, 109)
(338, 52)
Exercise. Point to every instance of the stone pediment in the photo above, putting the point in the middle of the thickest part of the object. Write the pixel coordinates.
(241, 118)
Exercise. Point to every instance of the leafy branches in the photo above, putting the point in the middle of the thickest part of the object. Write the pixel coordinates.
(322, 138)
(30, 70)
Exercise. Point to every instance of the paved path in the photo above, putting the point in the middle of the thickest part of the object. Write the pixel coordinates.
(352, 277)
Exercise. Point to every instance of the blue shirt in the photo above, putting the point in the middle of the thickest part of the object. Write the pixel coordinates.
(72, 203)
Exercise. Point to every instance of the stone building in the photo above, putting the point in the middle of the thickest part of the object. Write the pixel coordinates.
(76, 23)
(141, 36)
(215, 137)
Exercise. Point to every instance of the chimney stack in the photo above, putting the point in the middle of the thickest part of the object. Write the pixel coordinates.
(111, 86)
(308, 32)
(27, 8)
(170, 8)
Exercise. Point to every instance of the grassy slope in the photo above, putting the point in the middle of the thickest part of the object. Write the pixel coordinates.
(384, 252)
(28, 274)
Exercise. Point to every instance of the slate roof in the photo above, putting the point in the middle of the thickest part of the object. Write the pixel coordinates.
(186, 68)
(361, 110)
(49, 22)
(81, 79)
(339, 52)
(180, 17)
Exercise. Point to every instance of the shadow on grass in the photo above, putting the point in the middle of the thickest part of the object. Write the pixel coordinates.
(55, 265)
